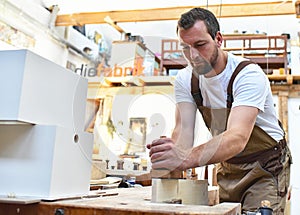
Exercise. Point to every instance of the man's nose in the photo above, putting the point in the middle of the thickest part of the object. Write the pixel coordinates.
(194, 53)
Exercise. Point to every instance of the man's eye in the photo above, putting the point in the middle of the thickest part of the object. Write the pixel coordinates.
(185, 47)
(200, 44)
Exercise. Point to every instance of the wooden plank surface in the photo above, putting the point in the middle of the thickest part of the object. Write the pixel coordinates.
(173, 13)
(22, 209)
(132, 201)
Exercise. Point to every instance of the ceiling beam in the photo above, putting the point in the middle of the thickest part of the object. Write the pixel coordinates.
(173, 13)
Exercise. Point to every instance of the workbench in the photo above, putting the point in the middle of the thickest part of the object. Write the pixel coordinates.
(120, 201)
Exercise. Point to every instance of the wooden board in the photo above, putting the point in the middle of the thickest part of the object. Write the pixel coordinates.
(19, 200)
(173, 13)
(132, 201)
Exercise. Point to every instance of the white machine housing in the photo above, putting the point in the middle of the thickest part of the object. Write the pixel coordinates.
(44, 150)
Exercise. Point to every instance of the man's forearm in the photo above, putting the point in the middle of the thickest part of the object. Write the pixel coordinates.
(218, 149)
(183, 139)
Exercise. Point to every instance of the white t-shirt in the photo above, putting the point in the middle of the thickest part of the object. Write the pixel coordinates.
(251, 87)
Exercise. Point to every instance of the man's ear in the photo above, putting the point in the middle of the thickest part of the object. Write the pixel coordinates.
(219, 39)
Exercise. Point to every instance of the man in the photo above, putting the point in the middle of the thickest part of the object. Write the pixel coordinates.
(236, 103)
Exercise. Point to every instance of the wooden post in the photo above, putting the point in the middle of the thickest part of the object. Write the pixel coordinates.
(283, 110)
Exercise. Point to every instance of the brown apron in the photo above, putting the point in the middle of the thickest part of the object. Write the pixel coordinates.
(260, 171)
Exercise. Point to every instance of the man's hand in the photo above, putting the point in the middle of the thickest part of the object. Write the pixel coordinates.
(166, 155)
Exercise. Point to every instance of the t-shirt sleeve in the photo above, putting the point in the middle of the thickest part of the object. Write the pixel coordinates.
(250, 87)
(182, 86)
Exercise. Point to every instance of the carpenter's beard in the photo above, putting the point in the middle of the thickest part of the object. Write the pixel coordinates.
(202, 67)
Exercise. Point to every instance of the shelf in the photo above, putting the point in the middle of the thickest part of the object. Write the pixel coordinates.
(267, 60)
(270, 52)
(174, 63)
(125, 172)
(288, 79)
(137, 81)
(171, 55)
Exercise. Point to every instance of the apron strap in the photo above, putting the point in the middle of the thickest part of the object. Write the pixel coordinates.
(229, 87)
(233, 76)
(196, 92)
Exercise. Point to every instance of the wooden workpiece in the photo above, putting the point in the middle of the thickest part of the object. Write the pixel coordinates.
(166, 174)
(133, 201)
(186, 191)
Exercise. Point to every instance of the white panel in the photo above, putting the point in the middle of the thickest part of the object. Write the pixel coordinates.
(26, 159)
(123, 54)
(10, 83)
(295, 60)
(294, 142)
(51, 159)
(295, 206)
(36, 90)
(72, 163)
(80, 41)
(44, 161)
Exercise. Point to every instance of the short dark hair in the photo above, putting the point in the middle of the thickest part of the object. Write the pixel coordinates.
(188, 19)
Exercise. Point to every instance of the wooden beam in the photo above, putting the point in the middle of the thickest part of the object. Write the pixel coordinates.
(173, 13)
(109, 21)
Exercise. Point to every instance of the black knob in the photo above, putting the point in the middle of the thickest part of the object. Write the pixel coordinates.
(266, 210)
(59, 211)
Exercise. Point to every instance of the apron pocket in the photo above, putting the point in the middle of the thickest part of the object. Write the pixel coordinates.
(271, 161)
